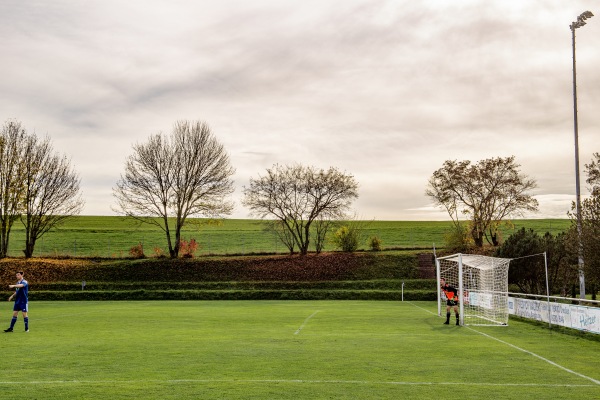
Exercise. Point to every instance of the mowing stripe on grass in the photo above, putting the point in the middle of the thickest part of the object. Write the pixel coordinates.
(293, 381)
(305, 321)
(538, 356)
(523, 350)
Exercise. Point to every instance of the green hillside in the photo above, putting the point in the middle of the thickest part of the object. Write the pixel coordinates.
(112, 237)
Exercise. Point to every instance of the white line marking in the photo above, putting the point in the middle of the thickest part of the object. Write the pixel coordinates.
(293, 381)
(424, 309)
(597, 382)
(305, 321)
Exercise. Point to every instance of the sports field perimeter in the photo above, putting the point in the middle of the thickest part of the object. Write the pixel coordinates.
(285, 350)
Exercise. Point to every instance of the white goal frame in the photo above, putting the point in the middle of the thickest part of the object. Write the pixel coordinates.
(482, 284)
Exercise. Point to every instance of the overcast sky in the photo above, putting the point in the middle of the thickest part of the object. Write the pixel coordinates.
(383, 90)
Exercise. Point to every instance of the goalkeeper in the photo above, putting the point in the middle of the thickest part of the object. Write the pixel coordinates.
(451, 300)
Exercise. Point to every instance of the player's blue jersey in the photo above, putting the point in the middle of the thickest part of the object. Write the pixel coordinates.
(22, 293)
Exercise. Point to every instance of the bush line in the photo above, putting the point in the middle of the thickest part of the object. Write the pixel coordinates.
(421, 295)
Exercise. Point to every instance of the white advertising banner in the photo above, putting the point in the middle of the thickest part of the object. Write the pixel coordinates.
(568, 315)
(479, 299)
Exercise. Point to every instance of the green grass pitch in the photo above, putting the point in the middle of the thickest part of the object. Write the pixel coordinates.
(284, 350)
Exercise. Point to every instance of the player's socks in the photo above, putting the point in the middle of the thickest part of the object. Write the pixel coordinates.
(457, 320)
(26, 319)
(447, 318)
(13, 321)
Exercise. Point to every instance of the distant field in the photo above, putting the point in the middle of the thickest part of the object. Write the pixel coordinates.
(114, 236)
(285, 350)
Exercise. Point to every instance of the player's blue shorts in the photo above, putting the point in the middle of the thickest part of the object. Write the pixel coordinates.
(21, 307)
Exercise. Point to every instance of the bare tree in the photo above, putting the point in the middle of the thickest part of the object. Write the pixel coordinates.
(298, 195)
(486, 193)
(12, 138)
(51, 191)
(170, 179)
(36, 186)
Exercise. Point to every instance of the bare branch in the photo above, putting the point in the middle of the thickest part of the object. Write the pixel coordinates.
(486, 193)
(297, 196)
(183, 175)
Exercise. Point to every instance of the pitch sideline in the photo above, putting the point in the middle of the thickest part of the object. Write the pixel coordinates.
(595, 381)
(293, 381)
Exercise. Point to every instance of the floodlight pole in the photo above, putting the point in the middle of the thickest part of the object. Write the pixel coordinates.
(548, 292)
(574, 25)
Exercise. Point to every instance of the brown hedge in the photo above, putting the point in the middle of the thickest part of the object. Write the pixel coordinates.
(322, 267)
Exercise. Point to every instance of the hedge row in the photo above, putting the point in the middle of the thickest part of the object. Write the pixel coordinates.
(339, 276)
(322, 267)
(383, 284)
(417, 295)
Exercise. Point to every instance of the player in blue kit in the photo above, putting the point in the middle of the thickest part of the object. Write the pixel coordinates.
(21, 301)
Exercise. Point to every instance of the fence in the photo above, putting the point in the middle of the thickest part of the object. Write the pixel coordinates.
(557, 311)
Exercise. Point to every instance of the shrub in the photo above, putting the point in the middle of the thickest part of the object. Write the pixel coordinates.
(187, 249)
(374, 243)
(158, 252)
(346, 238)
(458, 240)
(137, 251)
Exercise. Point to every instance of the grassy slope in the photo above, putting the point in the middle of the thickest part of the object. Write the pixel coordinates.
(285, 350)
(113, 236)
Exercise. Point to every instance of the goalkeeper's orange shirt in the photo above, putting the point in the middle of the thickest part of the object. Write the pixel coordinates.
(451, 292)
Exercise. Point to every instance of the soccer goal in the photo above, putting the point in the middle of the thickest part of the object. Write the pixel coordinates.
(482, 284)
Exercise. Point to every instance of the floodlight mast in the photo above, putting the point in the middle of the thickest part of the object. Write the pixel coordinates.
(575, 25)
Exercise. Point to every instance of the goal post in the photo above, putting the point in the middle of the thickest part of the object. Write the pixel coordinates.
(482, 284)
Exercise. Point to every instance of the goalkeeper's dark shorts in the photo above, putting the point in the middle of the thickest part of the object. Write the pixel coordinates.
(451, 303)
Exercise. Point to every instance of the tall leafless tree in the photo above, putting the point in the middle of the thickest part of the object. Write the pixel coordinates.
(486, 193)
(36, 185)
(298, 196)
(52, 191)
(172, 178)
(12, 138)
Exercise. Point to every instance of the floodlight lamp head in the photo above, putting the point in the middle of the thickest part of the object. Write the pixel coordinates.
(576, 24)
(587, 14)
(581, 20)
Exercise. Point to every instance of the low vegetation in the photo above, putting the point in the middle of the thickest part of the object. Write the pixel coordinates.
(243, 264)
(325, 276)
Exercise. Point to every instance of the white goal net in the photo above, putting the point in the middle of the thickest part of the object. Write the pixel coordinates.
(482, 284)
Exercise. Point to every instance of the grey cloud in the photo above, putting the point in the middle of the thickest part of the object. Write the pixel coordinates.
(386, 90)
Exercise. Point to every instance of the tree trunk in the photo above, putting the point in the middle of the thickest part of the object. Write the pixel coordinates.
(494, 238)
(29, 247)
(477, 237)
(4, 235)
(178, 227)
(304, 248)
